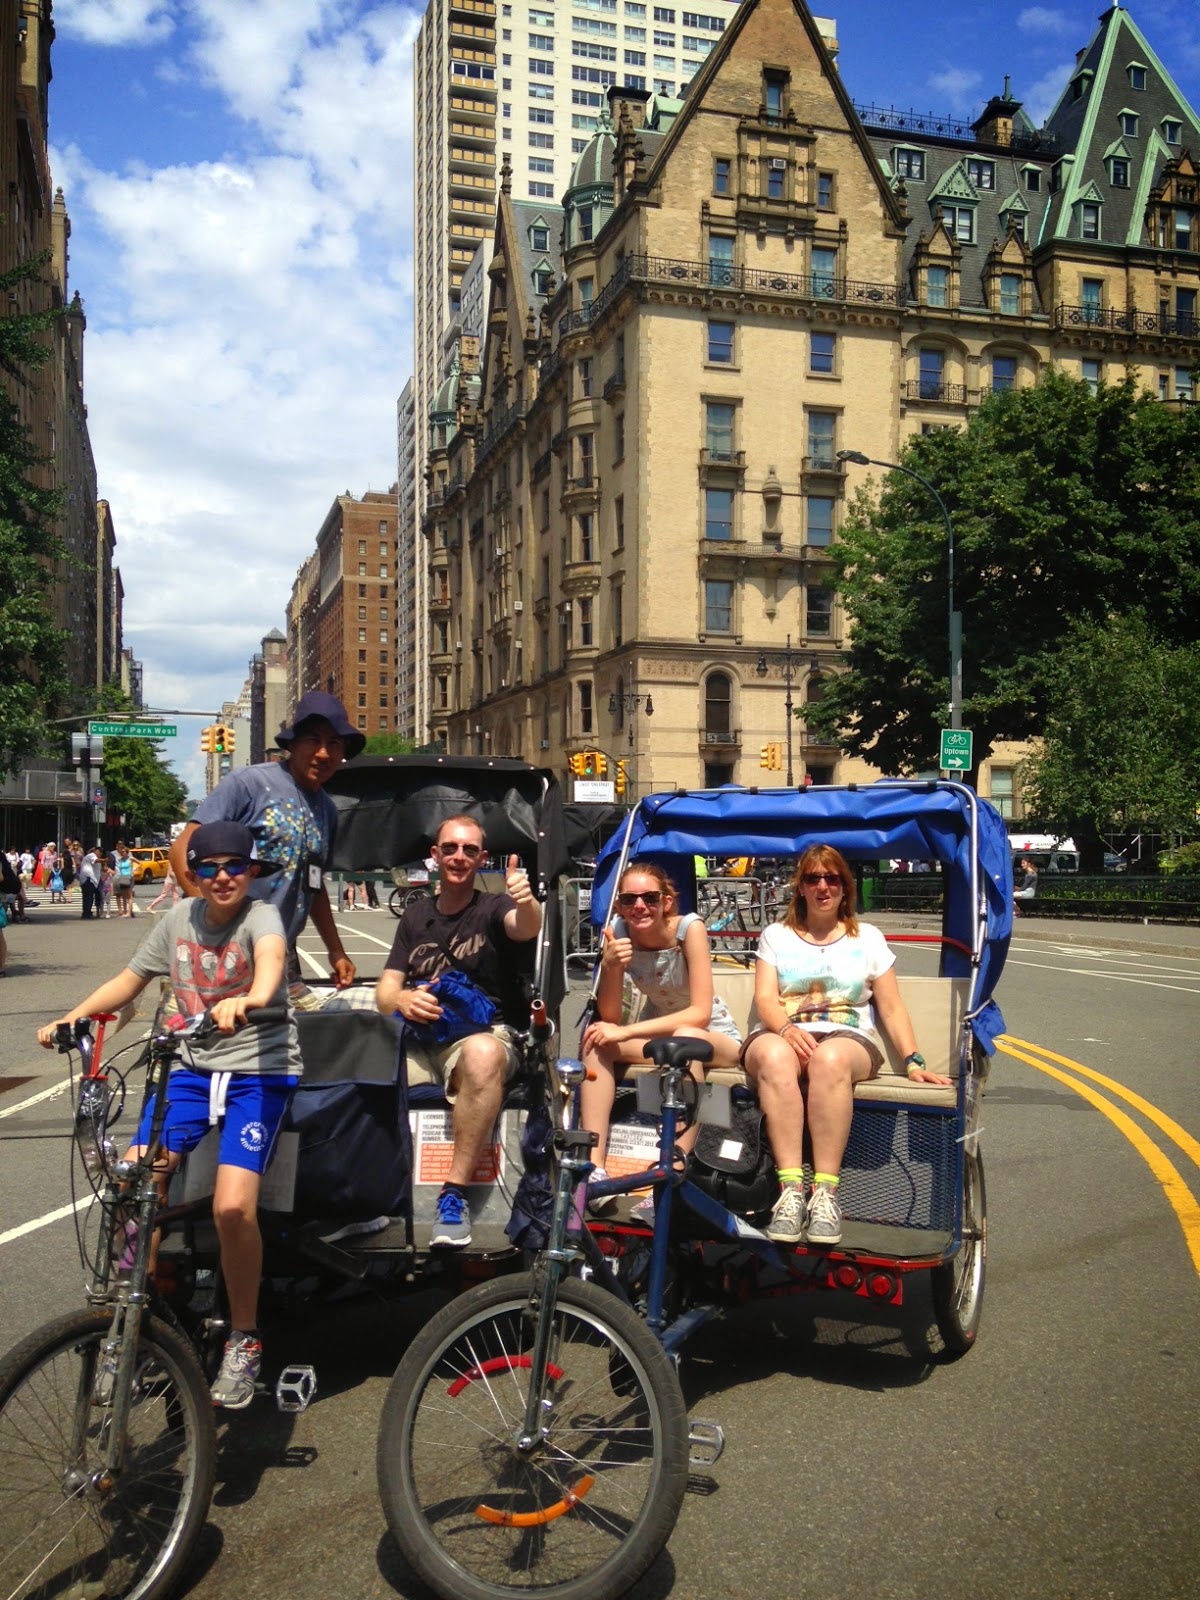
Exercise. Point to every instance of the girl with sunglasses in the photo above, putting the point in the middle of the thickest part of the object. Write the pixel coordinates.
(667, 959)
(820, 980)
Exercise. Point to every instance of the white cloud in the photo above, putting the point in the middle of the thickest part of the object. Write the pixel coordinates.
(1043, 19)
(959, 85)
(1040, 98)
(115, 22)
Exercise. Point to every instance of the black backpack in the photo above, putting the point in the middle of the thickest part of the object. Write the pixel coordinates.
(735, 1165)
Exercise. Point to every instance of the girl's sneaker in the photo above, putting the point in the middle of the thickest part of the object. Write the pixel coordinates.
(605, 1202)
(787, 1216)
(240, 1367)
(824, 1216)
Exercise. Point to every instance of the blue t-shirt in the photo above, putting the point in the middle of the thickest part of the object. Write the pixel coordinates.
(292, 827)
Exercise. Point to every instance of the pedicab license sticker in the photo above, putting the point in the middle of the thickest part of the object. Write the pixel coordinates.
(433, 1148)
(632, 1147)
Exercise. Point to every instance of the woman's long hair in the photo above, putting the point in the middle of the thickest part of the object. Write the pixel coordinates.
(823, 858)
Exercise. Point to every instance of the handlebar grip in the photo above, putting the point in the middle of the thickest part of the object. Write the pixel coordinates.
(266, 1015)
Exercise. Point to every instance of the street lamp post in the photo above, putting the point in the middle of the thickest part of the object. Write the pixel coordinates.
(627, 702)
(862, 460)
(788, 658)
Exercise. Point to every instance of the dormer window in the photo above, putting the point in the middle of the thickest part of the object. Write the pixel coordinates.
(1118, 172)
(775, 92)
(937, 286)
(1056, 177)
(1089, 220)
(1032, 178)
(1129, 124)
(543, 278)
(909, 163)
(982, 174)
(960, 223)
(585, 224)
(539, 236)
(1137, 75)
(1080, 84)
(1172, 130)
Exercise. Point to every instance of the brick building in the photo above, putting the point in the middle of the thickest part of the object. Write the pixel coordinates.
(353, 620)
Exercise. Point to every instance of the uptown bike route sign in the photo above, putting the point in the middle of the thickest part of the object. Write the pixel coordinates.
(956, 750)
(132, 730)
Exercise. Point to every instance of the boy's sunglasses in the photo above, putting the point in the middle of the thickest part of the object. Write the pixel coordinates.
(812, 879)
(209, 869)
(471, 851)
(650, 898)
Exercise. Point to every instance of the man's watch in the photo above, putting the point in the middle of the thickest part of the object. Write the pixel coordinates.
(914, 1060)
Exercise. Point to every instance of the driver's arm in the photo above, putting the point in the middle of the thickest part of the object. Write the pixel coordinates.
(178, 859)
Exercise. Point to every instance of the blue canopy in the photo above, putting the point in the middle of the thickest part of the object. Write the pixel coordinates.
(943, 822)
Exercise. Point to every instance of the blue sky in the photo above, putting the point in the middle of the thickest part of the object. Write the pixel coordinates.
(238, 174)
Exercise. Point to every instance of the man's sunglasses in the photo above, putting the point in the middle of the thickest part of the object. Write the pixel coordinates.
(812, 879)
(471, 851)
(209, 869)
(651, 898)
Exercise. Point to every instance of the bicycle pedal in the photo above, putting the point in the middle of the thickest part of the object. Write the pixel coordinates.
(295, 1388)
(706, 1442)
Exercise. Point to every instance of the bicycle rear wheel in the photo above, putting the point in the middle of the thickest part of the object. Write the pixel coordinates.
(62, 1531)
(582, 1514)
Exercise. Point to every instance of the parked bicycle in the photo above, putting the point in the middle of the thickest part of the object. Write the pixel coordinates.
(107, 1439)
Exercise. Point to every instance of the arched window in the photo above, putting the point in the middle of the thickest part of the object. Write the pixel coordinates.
(718, 703)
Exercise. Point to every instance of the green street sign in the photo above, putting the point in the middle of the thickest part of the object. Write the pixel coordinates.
(956, 750)
(131, 730)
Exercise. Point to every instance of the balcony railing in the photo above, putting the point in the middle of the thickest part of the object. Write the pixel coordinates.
(922, 124)
(1109, 320)
(926, 389)
(755, 280)
(574, 320)
(499, 429)
(721, 736)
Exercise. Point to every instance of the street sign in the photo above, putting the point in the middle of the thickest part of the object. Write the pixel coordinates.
(99, 795)
(956, 750)
(593, 789)
(132, 730)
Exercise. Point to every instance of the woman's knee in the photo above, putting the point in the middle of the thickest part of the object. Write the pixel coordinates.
(771, 1061)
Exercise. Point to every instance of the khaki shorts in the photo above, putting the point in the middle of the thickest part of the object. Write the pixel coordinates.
(438, 1066)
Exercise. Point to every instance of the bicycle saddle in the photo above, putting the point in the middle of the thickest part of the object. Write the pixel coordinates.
(677, 1052)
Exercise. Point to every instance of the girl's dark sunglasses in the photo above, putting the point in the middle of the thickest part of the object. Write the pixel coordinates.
(651, 898)
(209, 869)
(812, 879)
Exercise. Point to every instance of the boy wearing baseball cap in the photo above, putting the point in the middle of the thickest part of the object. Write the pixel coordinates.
(226, 954)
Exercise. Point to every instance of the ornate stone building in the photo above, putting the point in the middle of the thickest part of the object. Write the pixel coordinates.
(634, 486)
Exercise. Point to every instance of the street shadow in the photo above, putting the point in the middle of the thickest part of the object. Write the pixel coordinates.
(655, 1584)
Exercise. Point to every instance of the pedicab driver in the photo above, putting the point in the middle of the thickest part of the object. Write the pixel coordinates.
(489, 938)
(284, 805)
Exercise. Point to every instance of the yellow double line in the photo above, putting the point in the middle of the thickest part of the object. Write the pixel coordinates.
(1183, 1201)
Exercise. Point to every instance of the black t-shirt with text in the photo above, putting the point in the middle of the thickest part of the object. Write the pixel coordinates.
(480, 948)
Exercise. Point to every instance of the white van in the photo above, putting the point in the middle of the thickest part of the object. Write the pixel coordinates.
(1048, 853)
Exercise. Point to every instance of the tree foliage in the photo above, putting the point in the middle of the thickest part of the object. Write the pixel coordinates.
(1122, 733)
(389, 744)
(32, 649)
(1067, 504)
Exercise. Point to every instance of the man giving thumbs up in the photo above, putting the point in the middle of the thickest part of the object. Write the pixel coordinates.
(489, 938)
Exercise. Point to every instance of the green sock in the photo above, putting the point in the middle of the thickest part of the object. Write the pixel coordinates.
(831, 1178)
(790, 1174)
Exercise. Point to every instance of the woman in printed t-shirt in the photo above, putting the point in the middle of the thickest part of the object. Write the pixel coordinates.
(820, 978)
(667, 958)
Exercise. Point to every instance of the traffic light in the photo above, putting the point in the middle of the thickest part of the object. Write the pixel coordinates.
(208, 741)
(588, 759)
(600, 763)
(577, 764)
(771, 757)
(223, 744)
(620, 781)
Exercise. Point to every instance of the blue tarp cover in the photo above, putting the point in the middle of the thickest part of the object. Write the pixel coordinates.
(891, 818)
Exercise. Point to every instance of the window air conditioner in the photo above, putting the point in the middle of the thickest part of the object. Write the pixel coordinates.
(518, 606)
(545, 744)
(778, 164)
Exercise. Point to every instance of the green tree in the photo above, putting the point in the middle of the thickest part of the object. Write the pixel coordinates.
(1066, 503)
(389, 744)
(32, 649)
(1122, 735)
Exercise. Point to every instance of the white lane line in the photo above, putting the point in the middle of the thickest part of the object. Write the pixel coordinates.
(46, 1094)
(1098, 953)
(1109, 977)
(43, 1222)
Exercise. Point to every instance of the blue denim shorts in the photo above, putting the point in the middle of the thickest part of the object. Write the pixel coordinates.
(249, 1116)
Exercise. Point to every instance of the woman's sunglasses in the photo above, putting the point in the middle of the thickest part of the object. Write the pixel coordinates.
(812, 879)
(650, 898)
(209, 869)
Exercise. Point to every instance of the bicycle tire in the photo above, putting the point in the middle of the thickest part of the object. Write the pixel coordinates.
(581, 1517)
(396, 902)
(958, 1284)
(131, 1541)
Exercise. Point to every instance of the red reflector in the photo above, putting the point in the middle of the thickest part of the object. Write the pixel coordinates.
(609, 1246)
(882, 1285)
(847, 1276)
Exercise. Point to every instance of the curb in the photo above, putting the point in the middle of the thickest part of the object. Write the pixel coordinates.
(1086, 935)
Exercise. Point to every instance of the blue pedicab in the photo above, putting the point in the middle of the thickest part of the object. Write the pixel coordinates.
(535, 1436)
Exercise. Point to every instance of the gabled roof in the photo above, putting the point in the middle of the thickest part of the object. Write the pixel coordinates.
(954, 185)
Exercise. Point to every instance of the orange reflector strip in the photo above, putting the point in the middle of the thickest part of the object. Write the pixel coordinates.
(536, 1519)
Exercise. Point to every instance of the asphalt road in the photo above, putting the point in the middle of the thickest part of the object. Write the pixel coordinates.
(1058, 1459)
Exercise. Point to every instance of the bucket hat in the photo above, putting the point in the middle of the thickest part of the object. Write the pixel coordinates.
(328, 708)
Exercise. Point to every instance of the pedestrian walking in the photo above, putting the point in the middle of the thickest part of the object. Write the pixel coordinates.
(123, 879)
(169, 891)
(89, 885)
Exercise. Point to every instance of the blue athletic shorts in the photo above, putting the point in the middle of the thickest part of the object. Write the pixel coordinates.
(254, 1108)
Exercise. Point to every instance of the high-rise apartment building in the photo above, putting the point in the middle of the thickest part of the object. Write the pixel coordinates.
(522, 84)
(353, 622)
(412, 623)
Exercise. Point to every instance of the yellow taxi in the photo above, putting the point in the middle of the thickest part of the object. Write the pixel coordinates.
(149, 863)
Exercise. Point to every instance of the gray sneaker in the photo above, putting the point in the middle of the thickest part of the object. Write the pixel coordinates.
(240, 1367)
(787, 1216)
(452, 1225)
(824, 1216)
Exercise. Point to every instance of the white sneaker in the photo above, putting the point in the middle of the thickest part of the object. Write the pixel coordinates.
(787, 1216)
(605, 1202)
(824, 1216)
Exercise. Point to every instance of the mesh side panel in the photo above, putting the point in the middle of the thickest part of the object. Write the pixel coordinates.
(901, 1168)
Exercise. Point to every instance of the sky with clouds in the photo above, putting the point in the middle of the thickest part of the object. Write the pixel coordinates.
(239, 179)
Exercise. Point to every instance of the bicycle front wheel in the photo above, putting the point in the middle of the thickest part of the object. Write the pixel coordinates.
(64, 1530)
(582, 1513)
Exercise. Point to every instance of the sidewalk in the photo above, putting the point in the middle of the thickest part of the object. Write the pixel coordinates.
(1152, 939)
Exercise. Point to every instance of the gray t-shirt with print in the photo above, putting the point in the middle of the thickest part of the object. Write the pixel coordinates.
(291, 827)
(205, 964)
